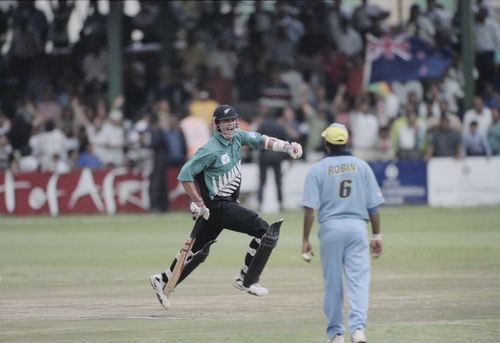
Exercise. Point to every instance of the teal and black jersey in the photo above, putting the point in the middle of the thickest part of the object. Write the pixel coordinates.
(216, 166)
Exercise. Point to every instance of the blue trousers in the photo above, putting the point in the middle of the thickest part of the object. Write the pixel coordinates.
(345, 259)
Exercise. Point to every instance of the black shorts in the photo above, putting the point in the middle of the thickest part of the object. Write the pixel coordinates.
(231, 216)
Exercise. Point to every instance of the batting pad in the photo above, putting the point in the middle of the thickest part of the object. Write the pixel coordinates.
(197, 258)
(267, 244)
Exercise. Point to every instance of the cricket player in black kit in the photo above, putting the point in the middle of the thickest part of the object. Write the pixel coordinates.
(212, 178)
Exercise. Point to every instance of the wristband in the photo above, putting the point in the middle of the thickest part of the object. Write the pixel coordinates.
(377, 237)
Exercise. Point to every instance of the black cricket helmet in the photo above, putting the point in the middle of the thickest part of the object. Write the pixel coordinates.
(224, 112)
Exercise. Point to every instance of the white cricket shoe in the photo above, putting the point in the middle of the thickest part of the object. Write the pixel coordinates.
(254, 289)
(158, 285)
(337, 339)
(358, 336)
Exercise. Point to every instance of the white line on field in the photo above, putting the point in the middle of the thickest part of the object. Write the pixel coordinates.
(90, 317)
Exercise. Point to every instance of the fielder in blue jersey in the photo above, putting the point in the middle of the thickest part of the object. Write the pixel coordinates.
(344, 192)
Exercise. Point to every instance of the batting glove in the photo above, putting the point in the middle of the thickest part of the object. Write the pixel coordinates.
(294, 150)
(198, 209)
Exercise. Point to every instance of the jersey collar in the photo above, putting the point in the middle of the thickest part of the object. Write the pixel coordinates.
(340, 153)
(220, 138)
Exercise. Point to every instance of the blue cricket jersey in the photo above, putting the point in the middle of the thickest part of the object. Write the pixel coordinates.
(341, 186)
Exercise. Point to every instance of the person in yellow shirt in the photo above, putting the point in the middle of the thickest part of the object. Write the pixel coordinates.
(202, 106)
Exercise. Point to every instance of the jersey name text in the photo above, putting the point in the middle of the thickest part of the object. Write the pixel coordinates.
(341, 169)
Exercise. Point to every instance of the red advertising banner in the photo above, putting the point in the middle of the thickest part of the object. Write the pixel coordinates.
(82, 191)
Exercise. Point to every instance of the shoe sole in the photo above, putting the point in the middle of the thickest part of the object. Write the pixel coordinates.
(158, 296)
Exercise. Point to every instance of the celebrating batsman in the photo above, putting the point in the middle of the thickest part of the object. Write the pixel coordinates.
(345, 192)
(212, 178)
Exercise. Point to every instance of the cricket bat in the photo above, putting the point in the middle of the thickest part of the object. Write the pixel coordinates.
(179, 265)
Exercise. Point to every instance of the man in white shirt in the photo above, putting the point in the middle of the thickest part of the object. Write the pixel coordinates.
(364, 127)
(49, 147)
(348, 40)
(109, 140)
(420, 26)
(480, 114)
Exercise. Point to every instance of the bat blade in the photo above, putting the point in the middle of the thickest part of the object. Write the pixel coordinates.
(179, 266)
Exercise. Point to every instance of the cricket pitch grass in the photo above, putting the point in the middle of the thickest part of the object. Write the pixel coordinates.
(86, 279)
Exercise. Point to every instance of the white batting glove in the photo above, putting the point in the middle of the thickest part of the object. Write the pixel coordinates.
(294, 150)
(198, 209)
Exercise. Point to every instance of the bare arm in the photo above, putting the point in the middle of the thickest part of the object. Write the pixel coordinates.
(375, 220)
(337, 100)
(308, 223)
(192, 191)
(197, 207)
(376, 243)
(78, 111)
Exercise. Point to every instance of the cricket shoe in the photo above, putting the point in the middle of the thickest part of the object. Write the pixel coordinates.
(358, 336)
(337, 339)
(158, 285)
(254, 289)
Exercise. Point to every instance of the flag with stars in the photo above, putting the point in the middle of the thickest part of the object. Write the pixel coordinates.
(403, 58)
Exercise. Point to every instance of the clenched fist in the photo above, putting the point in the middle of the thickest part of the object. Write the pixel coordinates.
(294, 150)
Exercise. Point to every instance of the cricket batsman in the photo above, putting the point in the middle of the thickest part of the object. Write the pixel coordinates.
(212, 179)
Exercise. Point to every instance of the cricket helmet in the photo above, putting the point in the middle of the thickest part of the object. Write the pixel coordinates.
(224, 112)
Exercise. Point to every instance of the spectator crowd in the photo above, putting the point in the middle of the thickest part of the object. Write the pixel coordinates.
(298, 63)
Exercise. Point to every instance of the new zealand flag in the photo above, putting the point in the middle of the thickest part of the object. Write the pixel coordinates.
(402, 58)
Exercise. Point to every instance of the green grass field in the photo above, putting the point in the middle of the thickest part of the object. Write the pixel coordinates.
(85, 279)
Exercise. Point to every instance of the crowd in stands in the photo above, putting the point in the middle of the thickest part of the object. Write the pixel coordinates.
(301, 59)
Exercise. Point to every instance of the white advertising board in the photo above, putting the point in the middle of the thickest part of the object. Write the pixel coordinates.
(473, 181)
